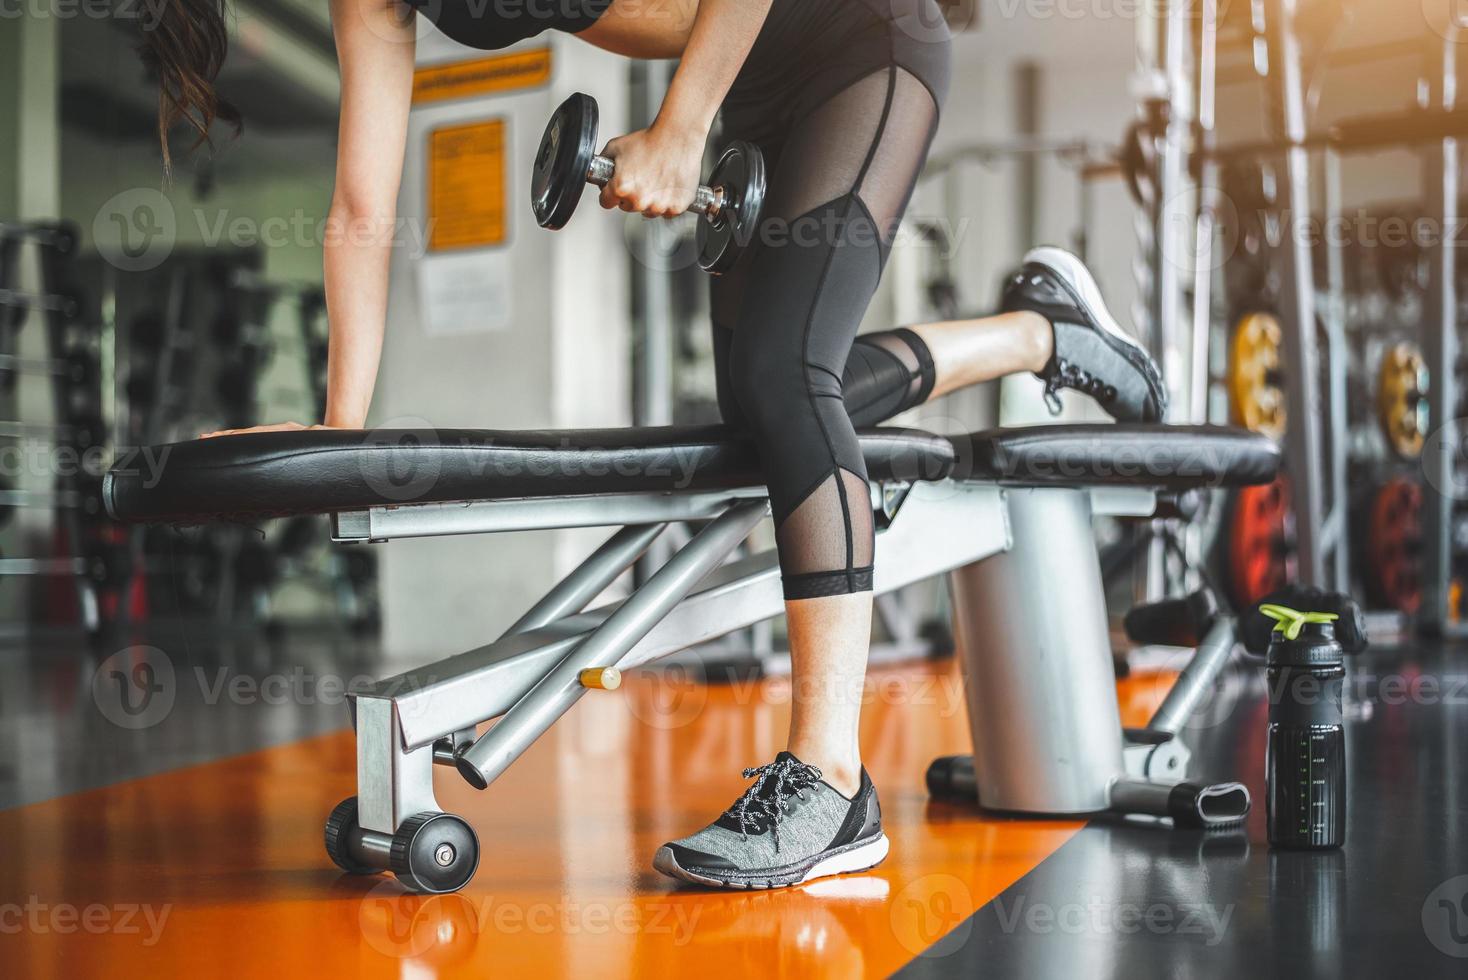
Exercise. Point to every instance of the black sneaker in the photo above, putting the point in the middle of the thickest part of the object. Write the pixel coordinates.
(788, 828)
(1092, 354)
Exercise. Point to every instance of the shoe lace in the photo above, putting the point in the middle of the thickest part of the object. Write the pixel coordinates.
(1068, 375)
(783, 778)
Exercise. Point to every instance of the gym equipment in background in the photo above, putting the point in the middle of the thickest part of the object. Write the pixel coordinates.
(567, 160)
(1401, 399)
(1392, 567)
(1005, 514)
(1256, 398)
(1260, 554)
(68, 363)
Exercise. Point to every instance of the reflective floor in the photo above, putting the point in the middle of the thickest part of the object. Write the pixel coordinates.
(182, 836)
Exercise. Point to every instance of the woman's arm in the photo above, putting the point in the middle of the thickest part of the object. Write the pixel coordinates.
(374, 43)
(657, 169)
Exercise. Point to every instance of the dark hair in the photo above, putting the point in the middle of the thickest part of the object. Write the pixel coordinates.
(184, 46)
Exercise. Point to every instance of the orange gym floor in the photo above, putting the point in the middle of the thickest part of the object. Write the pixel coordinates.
(227, 855)
(187, 859)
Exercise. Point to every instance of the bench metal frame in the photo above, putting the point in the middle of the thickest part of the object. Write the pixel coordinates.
(1041, 692)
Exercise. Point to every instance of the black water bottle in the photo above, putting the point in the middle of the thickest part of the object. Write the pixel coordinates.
(1305, 768)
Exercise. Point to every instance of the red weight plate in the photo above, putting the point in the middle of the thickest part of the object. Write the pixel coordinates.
(1261, 556)
(1393, 572)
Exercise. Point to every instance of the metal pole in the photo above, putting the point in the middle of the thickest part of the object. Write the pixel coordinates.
(1174, 229)
(1297, 299)
(1197, 678)
(1440, 344)
(1208, 204)
(598, 571)
(1337, 354)
(655, 379)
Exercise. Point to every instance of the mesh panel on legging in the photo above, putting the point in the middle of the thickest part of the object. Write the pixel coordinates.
(839, 182)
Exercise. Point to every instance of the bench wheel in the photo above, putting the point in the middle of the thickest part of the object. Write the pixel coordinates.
(435, 853)
(340, 827)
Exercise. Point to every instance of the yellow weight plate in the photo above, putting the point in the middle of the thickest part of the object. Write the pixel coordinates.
(1256, 400)
(1401, 399)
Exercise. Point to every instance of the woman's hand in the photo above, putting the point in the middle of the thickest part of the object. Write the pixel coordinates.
(656, 170)
(278, 427)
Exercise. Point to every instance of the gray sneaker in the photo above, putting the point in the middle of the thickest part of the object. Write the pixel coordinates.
(788, 828)
(1093, 355)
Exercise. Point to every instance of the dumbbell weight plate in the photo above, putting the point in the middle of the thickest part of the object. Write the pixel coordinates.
(1256, 400)
(1393, 566)
(741, 173)
(563, 160)
(1260, 544)
(1401, 399)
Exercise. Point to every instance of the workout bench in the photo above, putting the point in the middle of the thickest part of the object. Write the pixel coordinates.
(1006, 514)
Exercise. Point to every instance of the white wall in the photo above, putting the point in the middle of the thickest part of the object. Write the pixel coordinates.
(558, 359)
(1085, 71)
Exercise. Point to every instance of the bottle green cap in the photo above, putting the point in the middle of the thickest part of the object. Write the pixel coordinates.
(1290, 621)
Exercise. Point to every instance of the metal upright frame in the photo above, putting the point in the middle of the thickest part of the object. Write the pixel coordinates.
(1303, 443)
(1442, 183)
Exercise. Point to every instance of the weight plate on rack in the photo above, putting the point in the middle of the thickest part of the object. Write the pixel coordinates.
(1261, 545)
(1393, 566)
(1256, 399)
(741, 173)
(1401, 399)
(563, 160)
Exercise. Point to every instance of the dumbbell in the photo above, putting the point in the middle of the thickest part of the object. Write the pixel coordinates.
(567, 160)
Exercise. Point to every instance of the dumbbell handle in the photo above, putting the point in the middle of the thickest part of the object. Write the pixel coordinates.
(708, 201)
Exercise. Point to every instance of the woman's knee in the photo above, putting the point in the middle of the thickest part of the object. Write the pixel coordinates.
(767, 380)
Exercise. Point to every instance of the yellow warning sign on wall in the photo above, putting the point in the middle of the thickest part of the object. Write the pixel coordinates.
(482, 76)
(466, 186)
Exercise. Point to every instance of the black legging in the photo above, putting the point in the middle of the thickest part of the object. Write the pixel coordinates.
(842, 96)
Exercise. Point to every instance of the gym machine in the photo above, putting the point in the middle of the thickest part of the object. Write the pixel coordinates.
(83, 551)
(1299, 347)
(1004, 514)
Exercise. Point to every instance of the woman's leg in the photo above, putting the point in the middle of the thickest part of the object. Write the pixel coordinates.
(1055, 325)
(842, 182)
(843, 178)
(971, 352)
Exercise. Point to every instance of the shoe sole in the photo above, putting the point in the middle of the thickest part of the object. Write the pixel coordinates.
(1087, 294)
(860, 856)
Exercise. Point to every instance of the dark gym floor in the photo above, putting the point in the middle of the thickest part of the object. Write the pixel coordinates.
(193, 831)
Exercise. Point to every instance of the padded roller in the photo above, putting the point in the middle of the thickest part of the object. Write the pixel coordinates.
(1172, 457)
(320, 471)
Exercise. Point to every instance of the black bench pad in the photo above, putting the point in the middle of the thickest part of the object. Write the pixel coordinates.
(1172, 457)
(318, 471)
